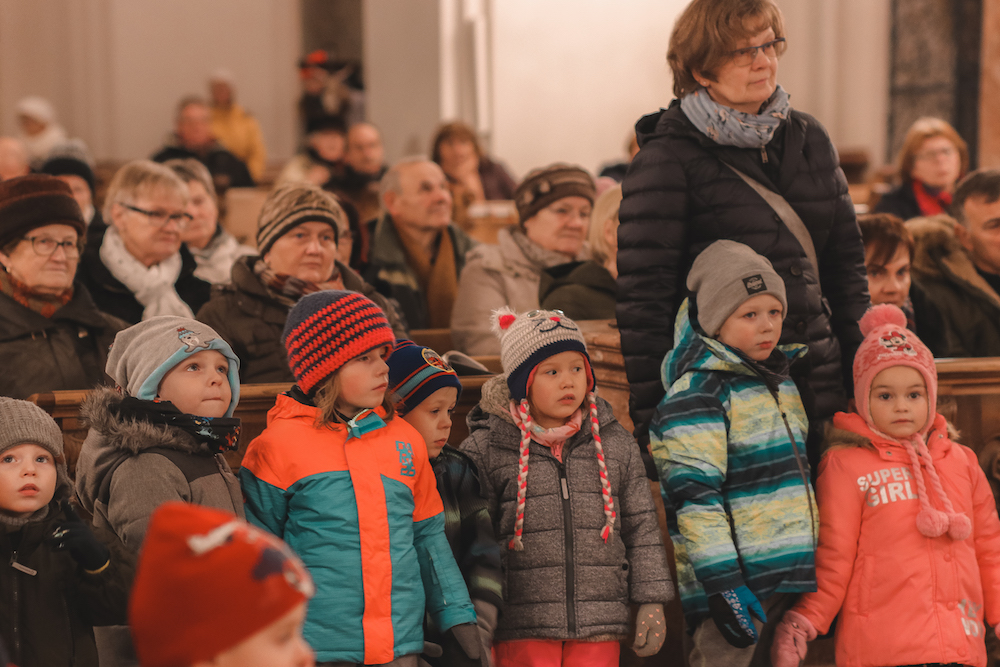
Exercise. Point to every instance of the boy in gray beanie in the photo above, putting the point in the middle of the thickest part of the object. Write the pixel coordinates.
(161, 436)
(728, 440)
(67, 578)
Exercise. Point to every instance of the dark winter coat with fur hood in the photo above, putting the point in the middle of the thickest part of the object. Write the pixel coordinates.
(127, 469)
(968, 305)
(568, 583)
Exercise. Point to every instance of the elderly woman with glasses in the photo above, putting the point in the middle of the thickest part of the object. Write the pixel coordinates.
(298, 234)
(932, 160)
(52, 336)
(140, 268)
(730, 158)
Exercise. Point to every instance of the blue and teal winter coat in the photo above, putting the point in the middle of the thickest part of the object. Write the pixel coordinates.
(728, 440)
(363, 513)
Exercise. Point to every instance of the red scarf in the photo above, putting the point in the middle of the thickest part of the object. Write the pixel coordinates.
(931, 203)
(45, 305)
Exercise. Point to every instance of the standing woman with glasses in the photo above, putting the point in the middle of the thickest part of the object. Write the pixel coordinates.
(140, 268)
(683, 192)
(52, 336)
(931, 162)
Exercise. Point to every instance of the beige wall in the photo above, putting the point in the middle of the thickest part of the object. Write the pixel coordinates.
(115, 69)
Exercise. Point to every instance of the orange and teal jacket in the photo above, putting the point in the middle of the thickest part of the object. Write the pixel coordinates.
(360, 507)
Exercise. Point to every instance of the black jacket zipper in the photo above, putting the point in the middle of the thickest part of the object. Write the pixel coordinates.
(16, 616)
(568, 529)
(802, 470)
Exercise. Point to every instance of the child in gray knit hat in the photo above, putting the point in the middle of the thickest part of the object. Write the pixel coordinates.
(570, 503)
(161, 436)
(728, 440)
(63, 578)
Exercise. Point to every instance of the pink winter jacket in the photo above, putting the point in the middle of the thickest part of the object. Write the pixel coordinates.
(903, 598)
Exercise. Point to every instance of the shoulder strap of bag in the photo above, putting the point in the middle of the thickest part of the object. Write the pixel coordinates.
(786, 213)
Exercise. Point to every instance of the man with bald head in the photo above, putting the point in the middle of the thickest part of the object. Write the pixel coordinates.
(416, 252)
(13, 159)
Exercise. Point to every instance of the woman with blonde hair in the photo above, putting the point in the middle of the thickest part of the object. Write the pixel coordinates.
(932, 160)
(730, 158)
(140, 268)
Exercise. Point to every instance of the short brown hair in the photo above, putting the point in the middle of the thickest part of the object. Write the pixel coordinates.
(326, 401)
(190, 169)
(883, 234)
(708, 30)
(927, 128)
(984, 183)
(454, 130)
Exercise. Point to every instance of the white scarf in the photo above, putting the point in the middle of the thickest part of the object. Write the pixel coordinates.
(153, 287)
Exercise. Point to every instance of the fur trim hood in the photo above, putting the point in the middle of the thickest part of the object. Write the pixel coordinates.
(938, 253)
(111, 440)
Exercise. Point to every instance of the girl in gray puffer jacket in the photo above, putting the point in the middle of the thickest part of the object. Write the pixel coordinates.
(577, 527)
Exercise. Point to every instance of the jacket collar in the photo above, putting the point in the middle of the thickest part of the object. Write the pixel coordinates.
(939, 253)
(17, 321)
(294, 405)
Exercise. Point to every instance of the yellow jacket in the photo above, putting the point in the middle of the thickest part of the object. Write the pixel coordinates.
(240, 133)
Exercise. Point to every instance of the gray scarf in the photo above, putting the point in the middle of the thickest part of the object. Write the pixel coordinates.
(729, 127)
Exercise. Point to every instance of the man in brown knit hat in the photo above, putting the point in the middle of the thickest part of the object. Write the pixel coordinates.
(416, 252)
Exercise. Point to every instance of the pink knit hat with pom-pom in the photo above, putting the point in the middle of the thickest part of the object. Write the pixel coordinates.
(889, 343)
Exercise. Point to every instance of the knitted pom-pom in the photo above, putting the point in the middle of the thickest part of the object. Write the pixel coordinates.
(959, 526)
(501, 320)
(932, 522)
(881, 315)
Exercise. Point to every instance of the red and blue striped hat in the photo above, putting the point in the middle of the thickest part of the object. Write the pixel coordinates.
(416, 372)
(327, 329)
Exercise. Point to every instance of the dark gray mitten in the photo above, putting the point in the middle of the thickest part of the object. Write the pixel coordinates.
(431, 650)
(467, 635)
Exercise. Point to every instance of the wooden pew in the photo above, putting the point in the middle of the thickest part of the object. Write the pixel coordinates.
(484, 220)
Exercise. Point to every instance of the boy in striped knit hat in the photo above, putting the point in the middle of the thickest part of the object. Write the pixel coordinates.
(570, 503)
(728, 440)
(425, 390)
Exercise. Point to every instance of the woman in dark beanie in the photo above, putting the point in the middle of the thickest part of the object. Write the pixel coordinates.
(52, 336)
(553, 205)
(683, 192)
(297, 235)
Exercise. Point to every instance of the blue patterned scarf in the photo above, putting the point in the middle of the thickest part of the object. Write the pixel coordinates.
(730, 127)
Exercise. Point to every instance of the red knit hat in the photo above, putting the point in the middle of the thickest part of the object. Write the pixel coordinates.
(889, 343)
(207, 581)
(325, 330)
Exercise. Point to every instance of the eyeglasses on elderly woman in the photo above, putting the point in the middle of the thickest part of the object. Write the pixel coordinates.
(744, 57)
(161, 218)
(45, 246)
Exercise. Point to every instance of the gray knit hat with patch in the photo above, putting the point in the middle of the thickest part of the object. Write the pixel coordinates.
(145, 352)
(725, 275)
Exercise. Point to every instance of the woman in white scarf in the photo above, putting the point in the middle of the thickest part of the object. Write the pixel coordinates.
(146, 210)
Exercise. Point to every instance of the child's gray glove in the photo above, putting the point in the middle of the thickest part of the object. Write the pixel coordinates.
(486, 620)
(467, 635)
(431, 650)
(650, 630)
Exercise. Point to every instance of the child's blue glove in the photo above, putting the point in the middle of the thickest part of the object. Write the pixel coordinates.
(731, 611)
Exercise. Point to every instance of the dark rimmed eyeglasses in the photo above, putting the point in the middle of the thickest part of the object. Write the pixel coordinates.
(161, 218)
(743, 57)
(46, 247)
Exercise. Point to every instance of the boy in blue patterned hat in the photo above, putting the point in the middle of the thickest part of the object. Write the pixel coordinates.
(426, 390)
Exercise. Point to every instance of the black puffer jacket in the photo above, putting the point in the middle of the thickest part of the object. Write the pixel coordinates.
(679, 197)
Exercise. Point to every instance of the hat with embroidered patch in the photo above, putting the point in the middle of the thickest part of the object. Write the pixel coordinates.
(199, 566)
(326, 329)
(726, 274)
(416, 372)
(145, 352)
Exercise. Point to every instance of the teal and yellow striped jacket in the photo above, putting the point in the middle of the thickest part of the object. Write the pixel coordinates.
(729, 446)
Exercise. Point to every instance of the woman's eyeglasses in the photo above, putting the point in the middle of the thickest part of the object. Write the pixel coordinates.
(744, 57)
(161, 218)
(46, 247)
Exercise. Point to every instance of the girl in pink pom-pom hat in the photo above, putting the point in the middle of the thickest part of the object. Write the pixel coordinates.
(909, 541)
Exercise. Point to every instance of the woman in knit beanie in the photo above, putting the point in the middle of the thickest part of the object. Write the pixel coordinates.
(570, 503)
(553, 207)
(350, 489)
(909, 543)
